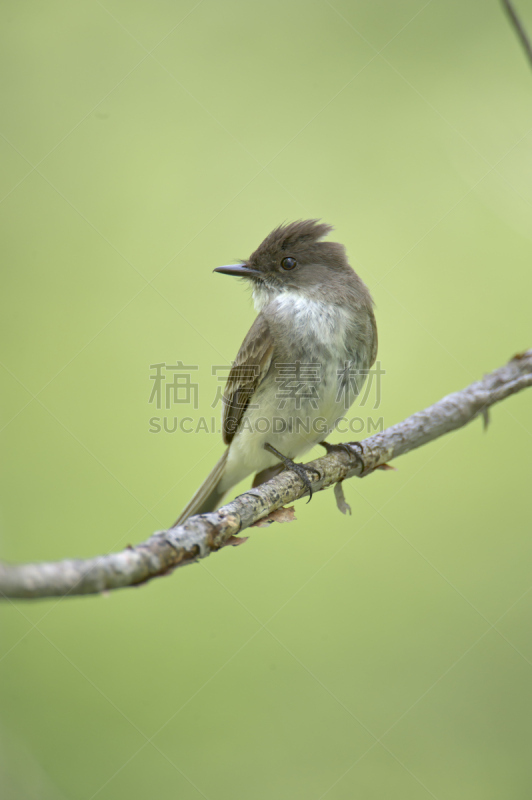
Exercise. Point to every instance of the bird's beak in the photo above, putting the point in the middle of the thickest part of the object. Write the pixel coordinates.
(240, 270)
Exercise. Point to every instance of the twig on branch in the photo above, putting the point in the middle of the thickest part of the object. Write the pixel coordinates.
(521, 33)
(203, 534)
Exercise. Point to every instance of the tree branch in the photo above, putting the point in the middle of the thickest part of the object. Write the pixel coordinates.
(203, 534)
(518, 27)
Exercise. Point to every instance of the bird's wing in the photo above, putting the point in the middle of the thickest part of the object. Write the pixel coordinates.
(247, 373)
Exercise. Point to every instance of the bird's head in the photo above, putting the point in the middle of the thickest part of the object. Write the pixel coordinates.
(293, 257)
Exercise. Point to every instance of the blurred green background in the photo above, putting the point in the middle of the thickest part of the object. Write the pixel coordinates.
(383, 655)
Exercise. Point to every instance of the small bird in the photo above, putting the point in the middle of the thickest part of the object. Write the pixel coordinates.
(302, 363)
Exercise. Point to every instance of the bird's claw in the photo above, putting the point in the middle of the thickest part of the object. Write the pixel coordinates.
(300, 469)
(351, 448)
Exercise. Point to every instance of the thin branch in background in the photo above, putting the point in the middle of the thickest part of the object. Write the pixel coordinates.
(204, 534)
(521, 33)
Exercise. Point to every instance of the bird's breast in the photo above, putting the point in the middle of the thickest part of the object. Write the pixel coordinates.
(313, 328)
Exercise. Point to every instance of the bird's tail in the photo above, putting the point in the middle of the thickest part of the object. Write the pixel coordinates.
(208, 497)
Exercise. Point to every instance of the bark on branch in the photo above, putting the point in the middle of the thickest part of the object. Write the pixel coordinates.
(204, 534)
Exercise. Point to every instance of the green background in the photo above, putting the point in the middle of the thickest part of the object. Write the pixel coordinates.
(383, 655)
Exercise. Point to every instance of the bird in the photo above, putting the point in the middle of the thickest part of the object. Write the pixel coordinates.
(302, 363)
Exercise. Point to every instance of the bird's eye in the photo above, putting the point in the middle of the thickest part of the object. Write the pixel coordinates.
(288, 263)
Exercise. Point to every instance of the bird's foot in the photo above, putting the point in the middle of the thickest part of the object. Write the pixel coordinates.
(300, 469)
(352, 448)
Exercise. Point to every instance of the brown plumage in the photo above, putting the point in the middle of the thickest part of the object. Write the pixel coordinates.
(247, 373)
(313, 309)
